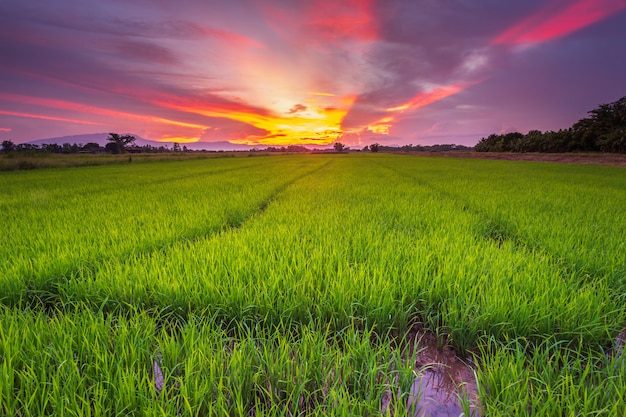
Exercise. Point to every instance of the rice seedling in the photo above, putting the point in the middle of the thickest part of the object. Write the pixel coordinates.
(95, 364)
(288, 285)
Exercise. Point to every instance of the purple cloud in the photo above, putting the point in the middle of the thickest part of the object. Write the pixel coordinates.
(393, 71)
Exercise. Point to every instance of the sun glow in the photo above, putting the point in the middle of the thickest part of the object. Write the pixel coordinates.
(311, 124)
(317, 93)
(177, 139)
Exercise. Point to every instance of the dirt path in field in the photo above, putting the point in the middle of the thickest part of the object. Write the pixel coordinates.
(565, 158)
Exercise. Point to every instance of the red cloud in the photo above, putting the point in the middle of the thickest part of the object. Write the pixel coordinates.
(234, 39)
(343, 19)
(554, 21)
(210, 106)
(44, 117)
(82, 108)
(328, 21)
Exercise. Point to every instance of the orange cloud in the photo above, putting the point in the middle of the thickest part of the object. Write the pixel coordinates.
(554, 21)
(382, 126)
(316, 93)
(426, 98)
(177, 139)
(317, 126)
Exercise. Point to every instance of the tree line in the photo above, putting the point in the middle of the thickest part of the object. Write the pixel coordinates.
(604, 130)
(116, 144)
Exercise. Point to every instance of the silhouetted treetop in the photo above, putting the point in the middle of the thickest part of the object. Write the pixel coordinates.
(604, 130)
(118, 143)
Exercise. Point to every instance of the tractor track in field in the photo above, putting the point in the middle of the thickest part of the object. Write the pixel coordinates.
(495, 229)
(201, 174)
(99, 189)
(265, 203)
(47, 292)
(499, 231)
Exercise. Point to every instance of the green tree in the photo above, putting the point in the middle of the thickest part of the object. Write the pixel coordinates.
(90, 147)
(7, 146)
(118, 143)
(613, 141)
(604, 129)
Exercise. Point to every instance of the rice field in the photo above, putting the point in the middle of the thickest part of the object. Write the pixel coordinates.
(301, 284)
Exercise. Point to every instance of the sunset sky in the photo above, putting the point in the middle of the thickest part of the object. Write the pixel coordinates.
(277, 72)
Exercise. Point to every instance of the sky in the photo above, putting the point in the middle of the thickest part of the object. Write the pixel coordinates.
(306, 72)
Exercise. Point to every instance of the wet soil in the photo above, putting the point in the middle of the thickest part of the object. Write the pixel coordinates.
(443, 378)
(620, 343)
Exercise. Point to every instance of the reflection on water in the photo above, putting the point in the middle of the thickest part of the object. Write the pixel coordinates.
(157, 373)
(442, 380)
(618, 348)
(435, 396)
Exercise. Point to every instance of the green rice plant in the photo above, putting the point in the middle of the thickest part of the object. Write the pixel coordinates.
(83, 363)
(285, 285)
(67, 224)
(338, 252)
(518, 378)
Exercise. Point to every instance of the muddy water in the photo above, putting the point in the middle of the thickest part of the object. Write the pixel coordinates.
(157, 373)
(442, 379)
(620, 343)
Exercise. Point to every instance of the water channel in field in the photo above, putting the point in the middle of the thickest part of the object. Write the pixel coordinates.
(443, 380)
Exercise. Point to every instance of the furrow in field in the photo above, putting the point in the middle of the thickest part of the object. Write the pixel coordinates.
(46, 290)
(55, 293)
(489, 225)
(205, 174)
(120, 176)
(499, 226)
(305, 303)
(546, 290)
(264, 204)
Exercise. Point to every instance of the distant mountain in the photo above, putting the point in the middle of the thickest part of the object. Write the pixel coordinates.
(101, 139)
